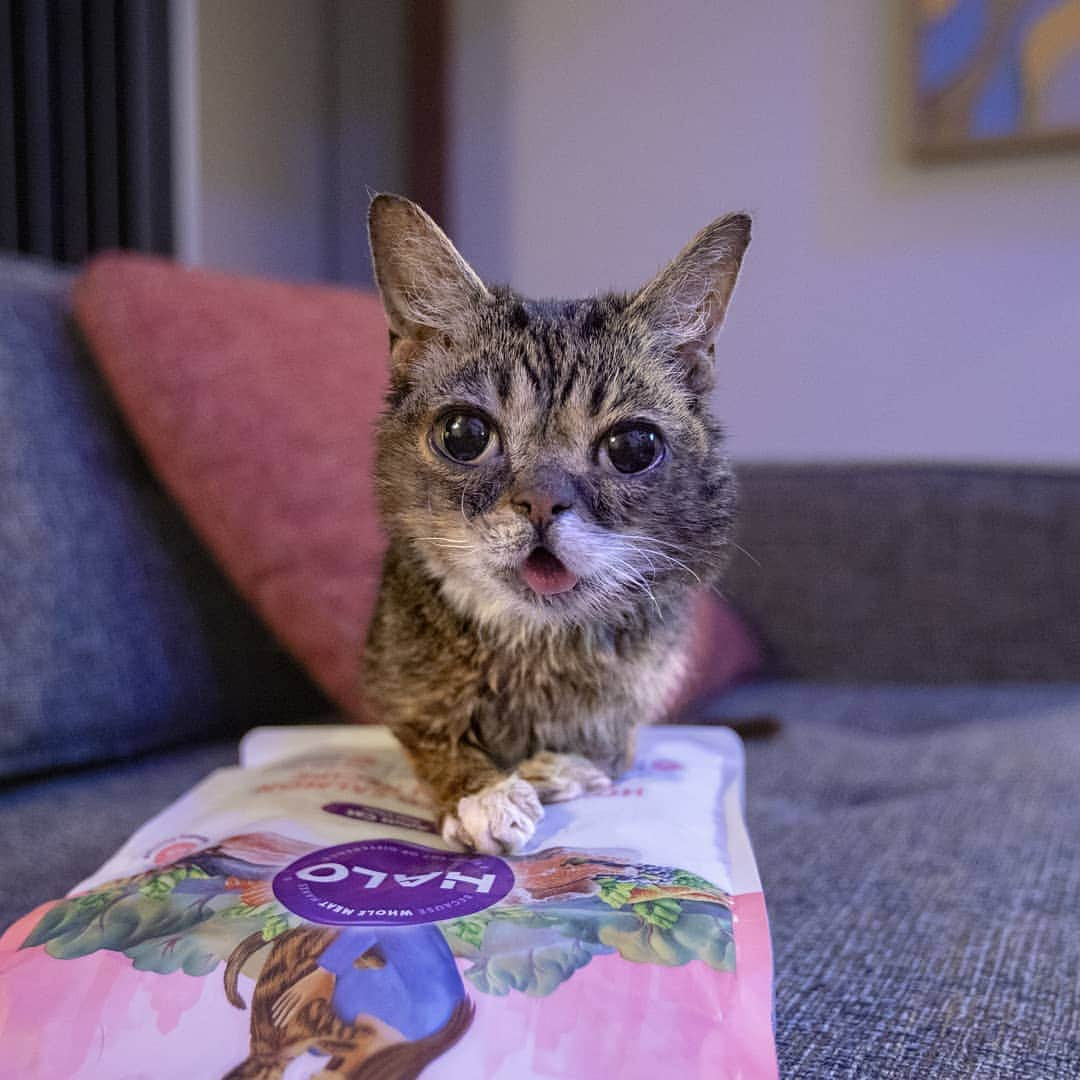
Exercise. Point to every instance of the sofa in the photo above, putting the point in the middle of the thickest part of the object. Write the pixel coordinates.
(916, 816)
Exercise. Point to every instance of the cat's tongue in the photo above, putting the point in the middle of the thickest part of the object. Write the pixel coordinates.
(546, 575)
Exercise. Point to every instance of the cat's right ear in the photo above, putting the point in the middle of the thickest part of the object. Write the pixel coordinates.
(686, 302)
(427, 288)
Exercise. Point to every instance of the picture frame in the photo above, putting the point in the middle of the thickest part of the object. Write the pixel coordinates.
(994, 76)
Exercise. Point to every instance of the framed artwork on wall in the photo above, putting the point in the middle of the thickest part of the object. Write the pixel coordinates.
(995, 76)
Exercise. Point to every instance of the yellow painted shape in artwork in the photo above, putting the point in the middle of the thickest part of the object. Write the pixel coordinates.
(1053, 37)
(935, 10)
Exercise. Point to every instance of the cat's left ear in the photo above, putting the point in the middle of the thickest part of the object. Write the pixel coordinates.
(427, 287)
(685, 303)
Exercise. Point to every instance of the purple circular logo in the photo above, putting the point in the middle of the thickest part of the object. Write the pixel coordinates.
(390, 883)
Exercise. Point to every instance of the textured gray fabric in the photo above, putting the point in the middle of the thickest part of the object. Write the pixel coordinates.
(920, 854)
(930, 574)
(59, 830)
(117, 633)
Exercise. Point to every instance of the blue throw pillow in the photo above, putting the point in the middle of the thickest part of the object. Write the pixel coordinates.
(117, 632)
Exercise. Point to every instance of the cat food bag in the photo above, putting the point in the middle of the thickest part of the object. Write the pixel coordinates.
(299, 916)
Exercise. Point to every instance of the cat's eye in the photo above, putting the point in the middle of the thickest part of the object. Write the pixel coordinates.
(632, 448)
(465, 436)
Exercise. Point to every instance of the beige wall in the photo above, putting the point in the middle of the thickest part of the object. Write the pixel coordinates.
(287, 113)
(888, 310)
(265, 127)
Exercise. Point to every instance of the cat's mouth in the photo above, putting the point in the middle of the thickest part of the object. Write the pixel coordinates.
(546, 574)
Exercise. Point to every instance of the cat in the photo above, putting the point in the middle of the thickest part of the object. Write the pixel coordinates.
(554, 488)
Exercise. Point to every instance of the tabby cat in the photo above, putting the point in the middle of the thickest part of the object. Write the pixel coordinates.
(554, 488)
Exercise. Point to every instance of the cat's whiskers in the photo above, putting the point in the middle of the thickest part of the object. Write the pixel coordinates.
(631, 575)
(443, 542)
(674, 562)
(649, 563)
(649, 540)
(687, 549)
(643, 546)
(739, 547)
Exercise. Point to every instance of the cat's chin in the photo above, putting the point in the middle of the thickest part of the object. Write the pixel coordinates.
(505, 601)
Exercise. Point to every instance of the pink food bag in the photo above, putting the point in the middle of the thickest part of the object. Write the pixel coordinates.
(299, 916)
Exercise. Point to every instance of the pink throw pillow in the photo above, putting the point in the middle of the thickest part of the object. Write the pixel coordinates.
(255, 403)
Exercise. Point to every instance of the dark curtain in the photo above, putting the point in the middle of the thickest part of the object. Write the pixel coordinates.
(84, 127)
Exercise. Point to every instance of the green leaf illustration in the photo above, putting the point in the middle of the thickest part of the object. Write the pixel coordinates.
(691, 881)
(471, 931)
(247, 911)
(533, 971)
(68, 917)
(663, 913)
(157, 888)
(161, 885)
(274, 924)
(615, 892)
(93, 902)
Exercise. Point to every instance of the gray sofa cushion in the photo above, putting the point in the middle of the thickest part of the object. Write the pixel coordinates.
(117, 632)
(897, 573)
(918, 849)
(58, 831)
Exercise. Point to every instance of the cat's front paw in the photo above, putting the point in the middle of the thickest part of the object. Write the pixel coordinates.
(496, 820)
(560, 777)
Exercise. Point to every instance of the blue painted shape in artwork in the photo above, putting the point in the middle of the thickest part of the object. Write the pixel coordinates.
(948, 45)
(998, 110)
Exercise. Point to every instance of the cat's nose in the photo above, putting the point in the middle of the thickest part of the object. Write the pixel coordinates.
(541, 503)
